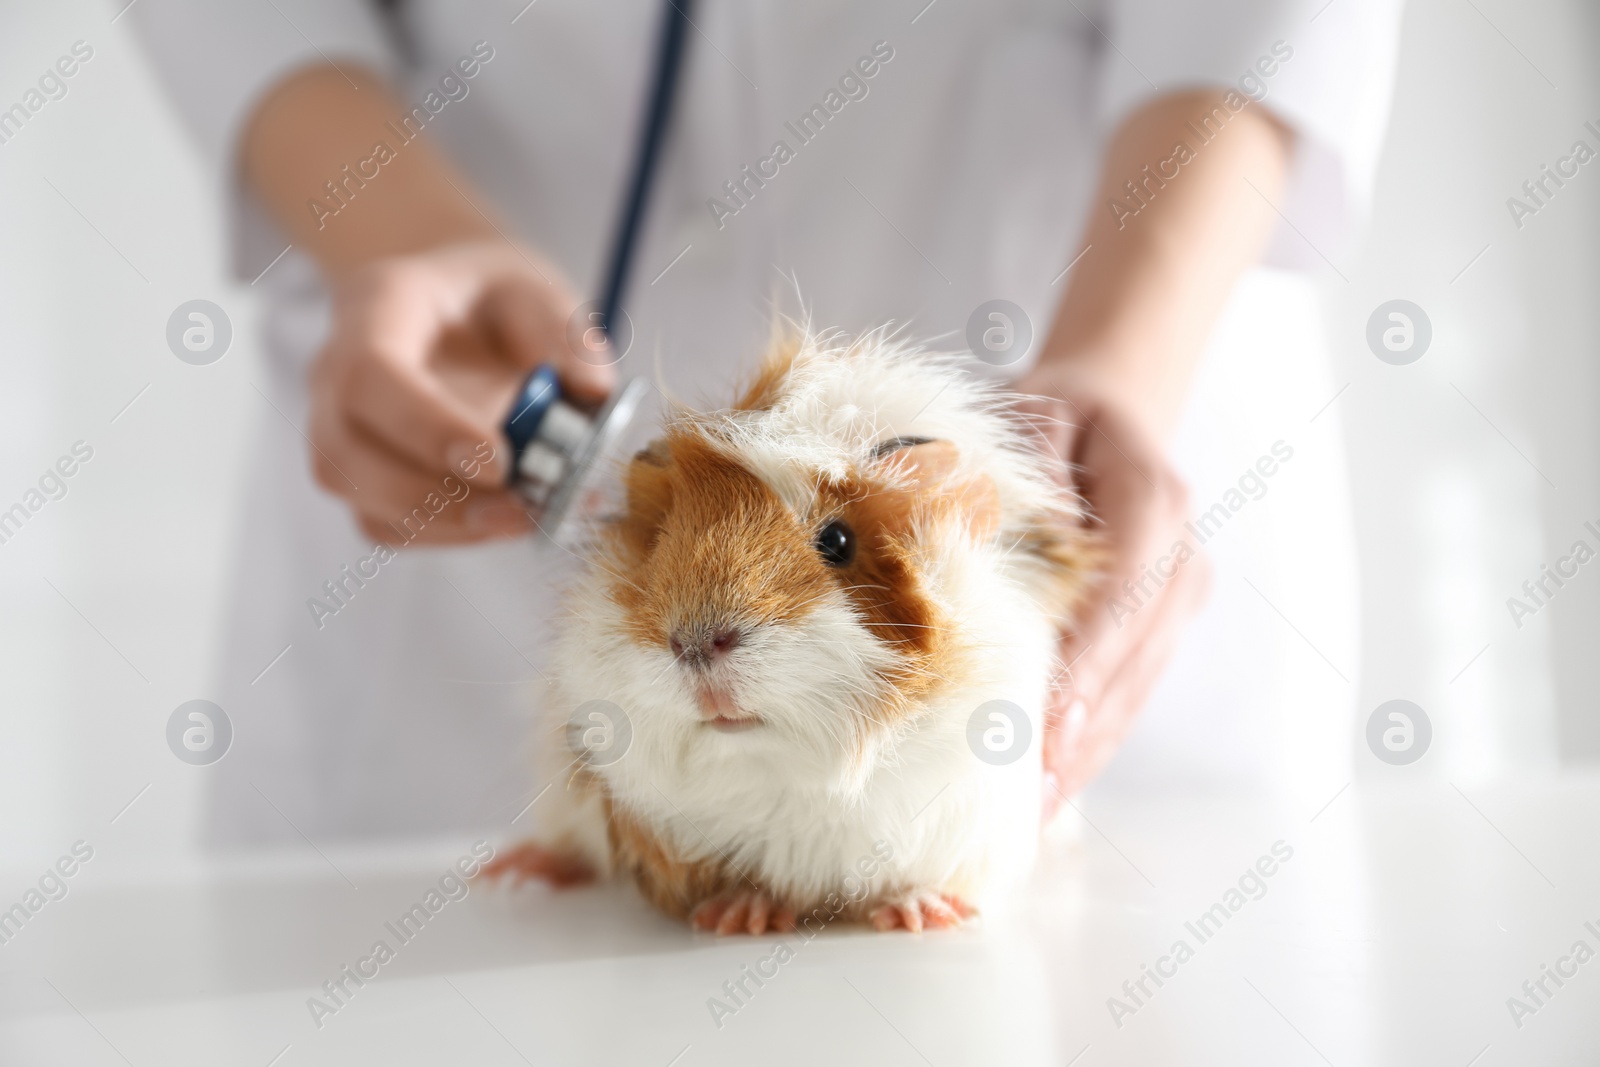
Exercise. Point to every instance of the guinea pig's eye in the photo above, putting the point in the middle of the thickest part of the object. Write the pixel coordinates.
(836, 544)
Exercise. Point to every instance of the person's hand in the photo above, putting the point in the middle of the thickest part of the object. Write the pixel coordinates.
(426, 355)
(1118, 642)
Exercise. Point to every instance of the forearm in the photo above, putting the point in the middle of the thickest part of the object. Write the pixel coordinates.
(1141, 301)
(314, 128)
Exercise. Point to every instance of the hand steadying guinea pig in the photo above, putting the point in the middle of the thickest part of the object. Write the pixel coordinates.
(800, 611)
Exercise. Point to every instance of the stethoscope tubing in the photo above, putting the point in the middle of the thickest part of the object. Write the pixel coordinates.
(541, 389)
(672, 37)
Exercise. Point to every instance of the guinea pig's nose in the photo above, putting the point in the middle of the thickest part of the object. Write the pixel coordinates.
(701, 646)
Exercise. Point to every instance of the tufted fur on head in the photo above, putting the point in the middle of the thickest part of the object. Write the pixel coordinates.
(803, 601)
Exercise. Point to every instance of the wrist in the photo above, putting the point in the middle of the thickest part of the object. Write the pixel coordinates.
(1110, 376)
(423, 233)
(308, 152)
(1084, 374)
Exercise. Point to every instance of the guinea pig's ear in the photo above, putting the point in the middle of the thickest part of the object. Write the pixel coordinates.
(764, 390)
(931, 471)
(654, 454)
(649, 486)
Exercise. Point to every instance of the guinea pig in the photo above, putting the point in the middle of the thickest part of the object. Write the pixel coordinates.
(803, 672)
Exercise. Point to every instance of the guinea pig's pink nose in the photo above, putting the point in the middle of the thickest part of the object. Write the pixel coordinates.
(701, 646)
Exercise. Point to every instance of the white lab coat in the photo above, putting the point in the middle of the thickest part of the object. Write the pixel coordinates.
(963, 174)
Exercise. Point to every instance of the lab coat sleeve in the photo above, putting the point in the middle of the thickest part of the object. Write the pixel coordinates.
(218, 58)
(1325, 69)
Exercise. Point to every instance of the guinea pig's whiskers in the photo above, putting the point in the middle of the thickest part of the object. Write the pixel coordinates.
(676, 659)
(873, 605)
(663, 672)
(873, 720)
(813, 600)
(921, 669)
(851, 684)
(619, 577)
(858, 688)
(596, 560)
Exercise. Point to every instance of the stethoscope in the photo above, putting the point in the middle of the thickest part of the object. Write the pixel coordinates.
(558, 447)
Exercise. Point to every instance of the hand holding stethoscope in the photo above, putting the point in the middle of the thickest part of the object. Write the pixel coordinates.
(476, 365)
(427, 354)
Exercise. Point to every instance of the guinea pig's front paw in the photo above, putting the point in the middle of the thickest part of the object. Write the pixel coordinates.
(742, 911)
(533, 860)
(919, 909)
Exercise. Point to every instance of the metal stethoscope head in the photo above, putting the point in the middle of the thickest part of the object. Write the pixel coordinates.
(561, 451)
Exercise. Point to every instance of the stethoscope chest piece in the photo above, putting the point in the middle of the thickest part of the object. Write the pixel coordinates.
(561, 450)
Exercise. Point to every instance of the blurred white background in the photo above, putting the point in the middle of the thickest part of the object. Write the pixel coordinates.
(1471, 468)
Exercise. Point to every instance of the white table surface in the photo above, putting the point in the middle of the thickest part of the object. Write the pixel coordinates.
(1395, 934)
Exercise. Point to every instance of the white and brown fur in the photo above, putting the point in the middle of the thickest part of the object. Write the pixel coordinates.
(863, 676)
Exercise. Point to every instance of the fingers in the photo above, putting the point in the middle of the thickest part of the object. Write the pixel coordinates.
(1108, 632)
(485, 517)
(1079, 755)
(1119, 612)
(1141, 508)
(409, 395)
(708, 913)
(378, 371)
(414, 416)
(1126, 627)
(396, 503)
(760, 909)
(1083, 704)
